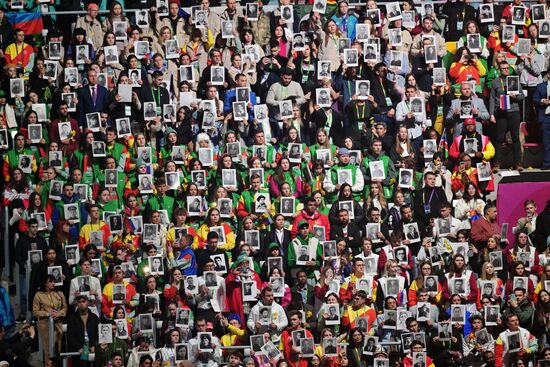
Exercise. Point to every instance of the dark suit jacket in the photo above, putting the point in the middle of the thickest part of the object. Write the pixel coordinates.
(336, 232)
(272, 237)
(86, 104)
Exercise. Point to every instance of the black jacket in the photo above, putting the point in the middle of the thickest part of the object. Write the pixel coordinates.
(22, 248)
(542, 230)
(337, 232)
(75, 330)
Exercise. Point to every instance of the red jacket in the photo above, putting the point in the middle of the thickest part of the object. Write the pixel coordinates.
(234, 292)
(316, 219)
(293, 359)
(482, 230)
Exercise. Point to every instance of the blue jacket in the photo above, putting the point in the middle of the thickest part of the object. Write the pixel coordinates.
(346, 24)
(540, 94)
(230, 97)
(7, 317)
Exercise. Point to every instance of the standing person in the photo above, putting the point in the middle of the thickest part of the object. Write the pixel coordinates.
(20, 54)
(505, 117)
(542, 101)
(82, 331)
(92, 98)
(29, 241)
(485, 227)
(290, 351)
(47, 303)
(70, 144)
(528, 342)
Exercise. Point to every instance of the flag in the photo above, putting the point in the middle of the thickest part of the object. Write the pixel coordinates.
(30, 23)
(444, 144)
(505, 102)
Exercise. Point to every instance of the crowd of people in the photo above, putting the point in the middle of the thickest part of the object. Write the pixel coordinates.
(305, 184)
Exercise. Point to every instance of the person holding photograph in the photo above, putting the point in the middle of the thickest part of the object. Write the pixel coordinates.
(505, 117)
(291, 352)
(313, 250)
(49, 302)
(213, 219)
(131, 297)
(466, 67)
(331, 184)
(528, 341)
(20, 53)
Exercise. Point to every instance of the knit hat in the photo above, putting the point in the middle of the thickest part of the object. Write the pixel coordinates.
(140, 162)
(168, 131)
(234, 316)
(343, 151)
(241, 259)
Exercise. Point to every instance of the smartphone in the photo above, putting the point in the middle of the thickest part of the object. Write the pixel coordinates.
(513, 297)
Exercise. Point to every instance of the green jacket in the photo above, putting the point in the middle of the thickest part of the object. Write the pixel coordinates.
(388, 184)
(300, 242)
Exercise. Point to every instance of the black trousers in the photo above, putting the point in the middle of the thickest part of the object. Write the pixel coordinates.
(507, 121)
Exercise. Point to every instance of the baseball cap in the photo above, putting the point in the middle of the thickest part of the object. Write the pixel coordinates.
(302, 224)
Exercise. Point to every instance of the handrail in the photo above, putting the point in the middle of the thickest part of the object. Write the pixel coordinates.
(6, 270)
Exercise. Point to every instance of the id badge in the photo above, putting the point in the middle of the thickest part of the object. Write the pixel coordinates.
(159, 111)
(427, 209)
(127, 110)
(459, 26)
(439, 110)
(388, 101)
(304, 78)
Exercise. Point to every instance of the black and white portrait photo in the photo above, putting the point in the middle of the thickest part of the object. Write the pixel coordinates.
(458, 314)
(105, 333)
(115, 223)
(111, 54)
(473, 42)
(57, 273)
(206, 156)
(323, 97)
(239, 111)
(486, 14)
(518, 15)
(406, 178)
(82, 53)
(484, 172)
(323, 69)
(119, 29)
(217, 75)
(249, 290)
(172, 49)
(512, 84)
(430, 54)
(285, 109)
(411, 232)
(156, 266)
(121, 328)
(71, 212)
(351, 57)
(298, 42)
(466, 109)
(219, 263)
(199, 178)
(146, 323)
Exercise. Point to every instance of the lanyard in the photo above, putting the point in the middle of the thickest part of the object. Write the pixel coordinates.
(285, 92)
(157, 98)
(431, 196)
(362, 115)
